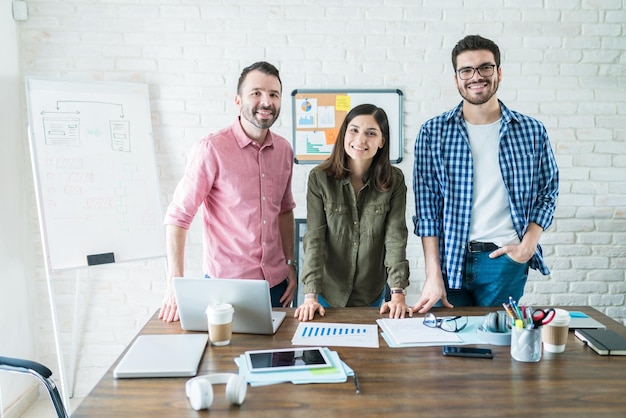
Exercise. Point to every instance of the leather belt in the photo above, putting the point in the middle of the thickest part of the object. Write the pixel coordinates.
(481, 247)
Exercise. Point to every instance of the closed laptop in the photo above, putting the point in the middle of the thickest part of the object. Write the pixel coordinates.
(175, 355)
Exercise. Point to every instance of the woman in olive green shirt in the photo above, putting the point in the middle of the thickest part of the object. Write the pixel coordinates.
(356, 228)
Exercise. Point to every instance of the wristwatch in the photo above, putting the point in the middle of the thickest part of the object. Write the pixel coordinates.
(293, 263)
(398, 291)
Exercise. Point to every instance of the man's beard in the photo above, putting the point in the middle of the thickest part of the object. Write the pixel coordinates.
(479, 100)
(249, 115)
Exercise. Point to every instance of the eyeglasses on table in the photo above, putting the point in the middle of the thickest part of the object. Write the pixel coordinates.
(446, 323)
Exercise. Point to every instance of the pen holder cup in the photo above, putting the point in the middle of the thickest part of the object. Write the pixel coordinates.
(526, 344)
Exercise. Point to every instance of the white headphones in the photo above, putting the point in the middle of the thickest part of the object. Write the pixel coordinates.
(496, 322)
(199, 390)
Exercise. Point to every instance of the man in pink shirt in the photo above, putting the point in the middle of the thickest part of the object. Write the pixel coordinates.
(240, 178)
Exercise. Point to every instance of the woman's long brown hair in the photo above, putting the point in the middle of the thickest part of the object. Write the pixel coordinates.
(337, 165)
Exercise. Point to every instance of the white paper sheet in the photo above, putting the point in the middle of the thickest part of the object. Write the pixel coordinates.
(338, 335)
(468, 335)
(413, 330)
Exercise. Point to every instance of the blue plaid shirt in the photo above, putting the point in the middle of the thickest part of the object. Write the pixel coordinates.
(442, 182)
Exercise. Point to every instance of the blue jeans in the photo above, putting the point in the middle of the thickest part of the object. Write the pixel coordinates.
(489, 281)
(277, 292)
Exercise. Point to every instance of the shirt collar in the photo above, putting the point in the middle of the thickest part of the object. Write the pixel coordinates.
(244, 140)
(457, 114)
(366, 180)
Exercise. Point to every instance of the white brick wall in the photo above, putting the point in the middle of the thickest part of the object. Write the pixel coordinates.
(563, 62)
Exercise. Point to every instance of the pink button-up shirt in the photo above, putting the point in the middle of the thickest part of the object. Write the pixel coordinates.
(242, 188)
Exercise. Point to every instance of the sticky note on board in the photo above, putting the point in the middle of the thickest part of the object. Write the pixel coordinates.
(342, 103)
(331, 136)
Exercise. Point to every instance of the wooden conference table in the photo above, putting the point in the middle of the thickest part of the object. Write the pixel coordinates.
(394, 381)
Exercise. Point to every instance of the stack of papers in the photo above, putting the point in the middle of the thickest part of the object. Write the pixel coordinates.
(338, 373)
(411, 332)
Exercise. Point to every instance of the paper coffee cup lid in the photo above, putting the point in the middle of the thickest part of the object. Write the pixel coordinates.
(561, 318)
(220, 308)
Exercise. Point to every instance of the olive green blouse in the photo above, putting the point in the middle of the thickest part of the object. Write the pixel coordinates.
(353, 245)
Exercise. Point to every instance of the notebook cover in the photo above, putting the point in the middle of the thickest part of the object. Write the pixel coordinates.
(603, 341)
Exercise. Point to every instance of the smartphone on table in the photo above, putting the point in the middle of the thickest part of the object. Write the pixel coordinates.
(459, 351)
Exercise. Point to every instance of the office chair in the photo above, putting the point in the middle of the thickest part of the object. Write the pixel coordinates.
(42, 373)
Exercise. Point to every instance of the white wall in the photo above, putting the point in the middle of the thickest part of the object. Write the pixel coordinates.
(563, 62)
(17, 313)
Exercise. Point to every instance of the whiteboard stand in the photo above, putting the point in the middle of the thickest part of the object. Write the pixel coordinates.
(57, 342)
(74, 343)
(96, 182)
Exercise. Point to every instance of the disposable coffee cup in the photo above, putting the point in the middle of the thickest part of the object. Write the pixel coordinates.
(554, 334)
(220, 319)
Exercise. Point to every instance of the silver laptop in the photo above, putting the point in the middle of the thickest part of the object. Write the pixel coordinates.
(250, 298)
(580, 320)
(175, 355)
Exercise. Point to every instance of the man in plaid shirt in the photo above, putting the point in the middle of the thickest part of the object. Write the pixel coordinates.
(486, 184)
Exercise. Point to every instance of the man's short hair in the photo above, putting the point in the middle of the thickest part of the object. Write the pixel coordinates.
(262, 66)
(475, 43)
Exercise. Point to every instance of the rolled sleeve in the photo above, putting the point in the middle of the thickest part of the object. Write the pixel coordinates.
(428, 199)
(192, 189)
(548, 188)
(396, 235)
(315, 237)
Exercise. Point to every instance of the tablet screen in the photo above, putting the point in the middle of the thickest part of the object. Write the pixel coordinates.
(287, 359)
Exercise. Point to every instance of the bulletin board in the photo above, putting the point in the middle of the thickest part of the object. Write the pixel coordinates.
(318, 114)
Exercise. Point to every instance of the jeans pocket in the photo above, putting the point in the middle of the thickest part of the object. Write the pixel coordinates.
(517, 263)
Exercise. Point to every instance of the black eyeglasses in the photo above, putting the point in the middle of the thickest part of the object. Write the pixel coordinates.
(447, 323)
(485, 70)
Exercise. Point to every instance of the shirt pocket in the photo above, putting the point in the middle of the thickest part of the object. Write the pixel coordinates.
(338, 220)
(274, 190)
(520, 179)
(373, 219)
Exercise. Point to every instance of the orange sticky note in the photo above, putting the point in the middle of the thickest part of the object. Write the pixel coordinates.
(331, 136)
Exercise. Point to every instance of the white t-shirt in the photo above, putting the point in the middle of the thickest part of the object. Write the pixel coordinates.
(491, 215)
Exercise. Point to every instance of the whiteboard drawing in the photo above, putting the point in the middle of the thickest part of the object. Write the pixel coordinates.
(95, 169)
(120, 135)
(62, 130)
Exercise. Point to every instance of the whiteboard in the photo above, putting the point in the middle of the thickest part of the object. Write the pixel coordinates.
(317, 116)
(95, 172)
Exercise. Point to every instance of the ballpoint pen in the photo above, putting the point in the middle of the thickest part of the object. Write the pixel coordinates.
(508, 311)
(529, 317)
(357, 387)
(515, 308)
